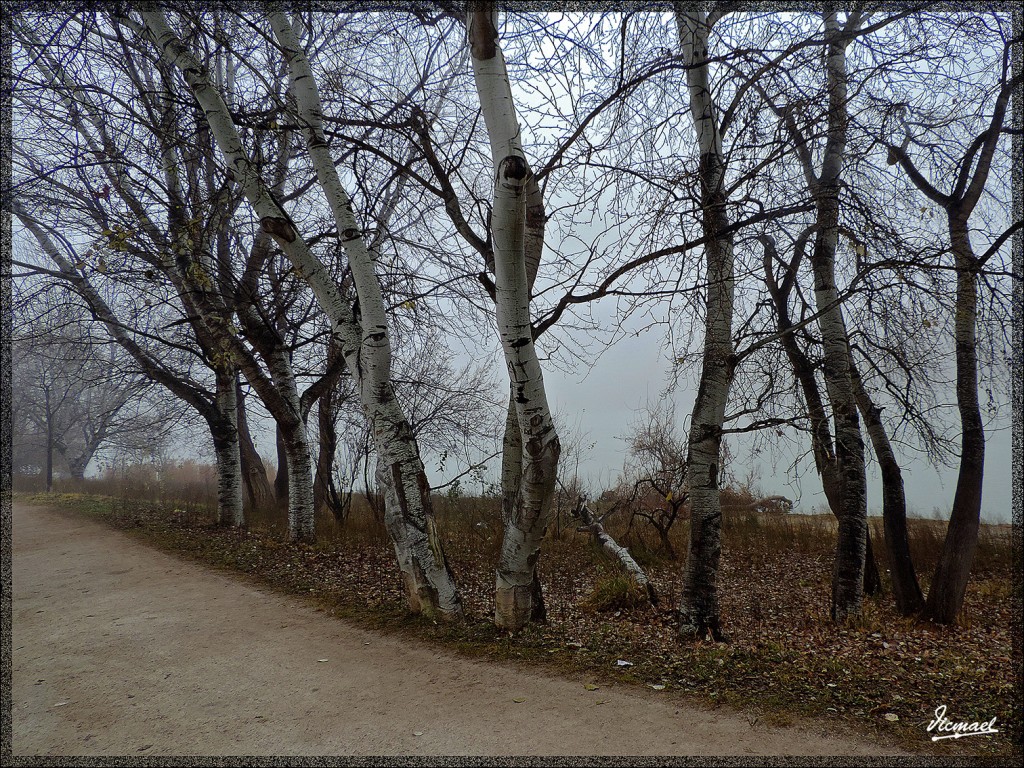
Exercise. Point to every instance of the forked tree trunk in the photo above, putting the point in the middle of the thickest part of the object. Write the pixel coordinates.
(949, 585)
(699, 607)
(822, 446)
(528, 511)
(512, 442)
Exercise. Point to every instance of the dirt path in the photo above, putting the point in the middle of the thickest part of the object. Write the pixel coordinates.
(119, 649)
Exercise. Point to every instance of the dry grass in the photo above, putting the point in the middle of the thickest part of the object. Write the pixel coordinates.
(786, 659)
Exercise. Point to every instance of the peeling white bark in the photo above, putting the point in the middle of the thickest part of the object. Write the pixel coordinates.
(526, 524)
(428, 579)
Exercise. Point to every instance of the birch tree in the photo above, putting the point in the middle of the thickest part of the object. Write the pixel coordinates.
(526, 521)
(824, 184)
(699, 608)
(362, 335)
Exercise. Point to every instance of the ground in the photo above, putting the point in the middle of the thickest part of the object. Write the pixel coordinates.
(119, 649)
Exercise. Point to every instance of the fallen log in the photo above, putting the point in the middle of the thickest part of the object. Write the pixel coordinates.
(614, 550)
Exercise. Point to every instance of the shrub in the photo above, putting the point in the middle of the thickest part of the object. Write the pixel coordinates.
(615, 593)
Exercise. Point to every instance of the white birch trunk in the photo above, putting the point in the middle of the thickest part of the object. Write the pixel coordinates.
(428, 580)
(301, 514)
(229, 456)
(526, 524)
(698, 608)
(615, 551)
(430, 585)
(851, 547)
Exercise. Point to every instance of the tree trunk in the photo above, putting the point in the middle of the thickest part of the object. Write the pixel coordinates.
(949, 585)
(614, 551)
(367, 350)
(229, 459)
(803, 369)
(906, 591)
(516, 578)
(78, 465)
(364, 338)
(49, 441)
(281, 476)
(255, 484)
(301, 521)
(698, 608)
(324, 493)
(851, 546)
(511, 481)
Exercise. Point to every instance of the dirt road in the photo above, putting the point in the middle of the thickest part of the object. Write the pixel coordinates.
(122, 650)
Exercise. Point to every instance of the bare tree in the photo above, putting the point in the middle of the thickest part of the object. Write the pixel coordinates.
(537, 460)
(362, 334)
(968, 173)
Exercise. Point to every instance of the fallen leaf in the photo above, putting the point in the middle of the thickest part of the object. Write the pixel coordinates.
(658, 687)
(591, 686)
(518, 700)
(891, 717)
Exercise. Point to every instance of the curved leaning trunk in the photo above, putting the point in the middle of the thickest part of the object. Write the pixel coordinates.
(699, 608)
(949, 585)
(364, 341)
(905, 588)
(512, 441)
(528, 510)
(367, 350)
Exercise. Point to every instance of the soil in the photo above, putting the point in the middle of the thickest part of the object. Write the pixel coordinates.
(119, 649)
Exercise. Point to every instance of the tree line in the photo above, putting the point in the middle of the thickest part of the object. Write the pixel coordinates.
(316, 210)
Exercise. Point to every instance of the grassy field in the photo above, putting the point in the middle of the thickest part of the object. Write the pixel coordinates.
(879, 674)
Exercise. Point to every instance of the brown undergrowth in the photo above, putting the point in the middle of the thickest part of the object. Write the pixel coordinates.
(880, 674)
